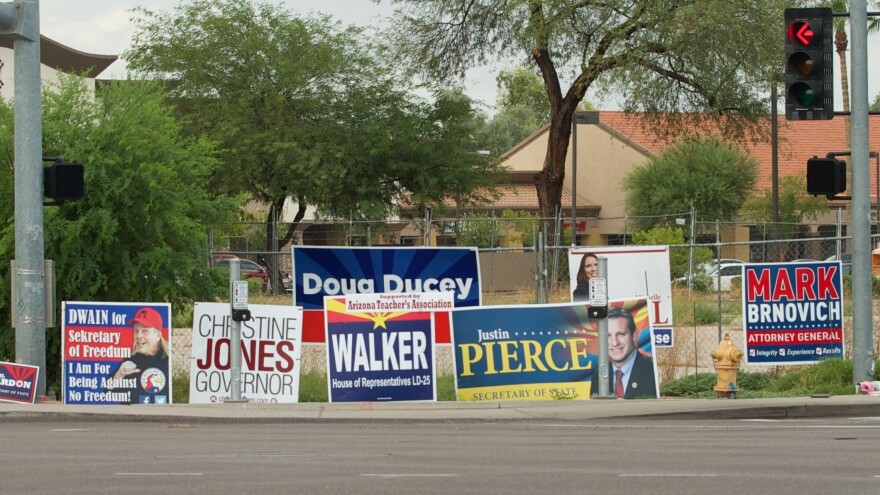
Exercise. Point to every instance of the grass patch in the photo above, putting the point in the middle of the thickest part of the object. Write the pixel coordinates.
(831, 376)
(446, 388)
(180, 390)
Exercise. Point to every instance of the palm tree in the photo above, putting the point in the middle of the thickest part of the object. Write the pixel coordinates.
(841, 43)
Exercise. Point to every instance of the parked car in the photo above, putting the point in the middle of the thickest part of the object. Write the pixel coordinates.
(729, 272)
(709, 267)
(248, 268)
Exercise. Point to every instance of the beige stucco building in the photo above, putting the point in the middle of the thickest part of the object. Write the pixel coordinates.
(611, 144)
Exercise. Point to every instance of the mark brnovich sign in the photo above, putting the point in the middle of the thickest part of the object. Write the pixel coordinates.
(792, 312)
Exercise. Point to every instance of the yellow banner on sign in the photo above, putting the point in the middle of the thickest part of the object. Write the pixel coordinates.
(530, 391)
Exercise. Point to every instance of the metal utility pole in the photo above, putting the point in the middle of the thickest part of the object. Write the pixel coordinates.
(21, 21)
(604, 369)
(863, 357)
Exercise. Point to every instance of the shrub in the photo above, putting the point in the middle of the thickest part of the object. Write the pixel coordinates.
(705, 314)
(754, 381)
(689, 386)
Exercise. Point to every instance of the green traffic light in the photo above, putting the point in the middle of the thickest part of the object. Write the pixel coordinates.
(802, 94)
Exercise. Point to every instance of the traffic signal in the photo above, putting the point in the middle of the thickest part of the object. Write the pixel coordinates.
(826, 176)
(63, 181)
(809, 64)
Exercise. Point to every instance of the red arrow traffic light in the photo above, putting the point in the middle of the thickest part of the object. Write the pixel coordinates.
(801, 33)
(809, 64)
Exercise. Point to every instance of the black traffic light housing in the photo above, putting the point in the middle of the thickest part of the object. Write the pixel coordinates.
(63, 181)
(826, 176)
(809, 64)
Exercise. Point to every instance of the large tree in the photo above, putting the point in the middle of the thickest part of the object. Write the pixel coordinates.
(714, 176)
(684, 61)
(139, 232)
(306, 109)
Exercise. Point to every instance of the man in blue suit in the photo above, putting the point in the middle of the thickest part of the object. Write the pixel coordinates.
(631, 373)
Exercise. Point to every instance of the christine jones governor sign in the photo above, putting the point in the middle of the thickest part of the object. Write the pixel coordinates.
(792, 312)
(270, 354)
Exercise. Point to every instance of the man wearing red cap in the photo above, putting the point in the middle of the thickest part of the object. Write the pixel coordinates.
(144, 375)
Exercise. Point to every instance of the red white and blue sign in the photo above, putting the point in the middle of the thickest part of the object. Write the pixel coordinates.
(792, 312)
(320, 271)
(374, 355)
(18, 382)
(116, 353)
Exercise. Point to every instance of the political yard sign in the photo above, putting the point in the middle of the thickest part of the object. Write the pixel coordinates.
(529, 352)
(380, 347)
(792, 312)
(338, 271)
(116, 353)
(271, 354)
(18, 382)
(634, 272)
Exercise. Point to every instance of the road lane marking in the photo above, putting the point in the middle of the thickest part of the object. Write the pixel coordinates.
(666, 475)
(64, 430)
(416, 475)
(159, 474)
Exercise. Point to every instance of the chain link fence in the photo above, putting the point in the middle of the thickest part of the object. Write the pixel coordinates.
(524, 259)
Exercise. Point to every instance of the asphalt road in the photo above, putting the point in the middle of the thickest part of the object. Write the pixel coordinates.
(444, 457)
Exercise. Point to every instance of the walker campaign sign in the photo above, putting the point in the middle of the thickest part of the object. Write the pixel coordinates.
(337, 271)
(633, 272)
(116, 353)
(271, 353)
(792, 312)
(380, 347)
(18, 382)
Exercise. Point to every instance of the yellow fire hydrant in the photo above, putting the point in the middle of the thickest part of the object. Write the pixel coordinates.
(726, 357)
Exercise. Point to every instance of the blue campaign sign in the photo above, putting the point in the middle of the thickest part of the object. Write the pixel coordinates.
(373, 357)
(534, 352)
(333, 271)
(792, 312)
(663, 337)
(116, 353)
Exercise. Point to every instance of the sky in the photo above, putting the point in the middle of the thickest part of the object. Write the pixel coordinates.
(103, 27)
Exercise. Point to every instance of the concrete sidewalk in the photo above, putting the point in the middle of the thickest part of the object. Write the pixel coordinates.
(668, 408)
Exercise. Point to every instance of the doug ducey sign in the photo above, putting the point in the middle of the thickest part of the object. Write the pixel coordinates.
(337, 271)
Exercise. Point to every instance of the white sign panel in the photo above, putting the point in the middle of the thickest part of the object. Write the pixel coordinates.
(271, 350)
(411, 302)
(634, 272)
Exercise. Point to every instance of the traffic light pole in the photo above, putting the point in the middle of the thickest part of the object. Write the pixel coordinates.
(30, 327)
(863, 358)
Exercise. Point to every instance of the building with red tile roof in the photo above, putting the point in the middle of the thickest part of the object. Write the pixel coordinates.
(616, 143)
